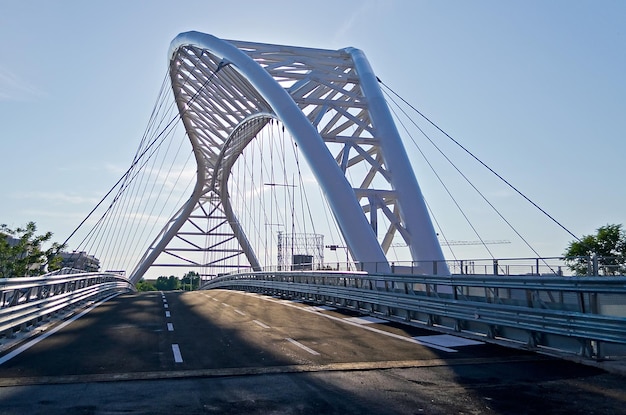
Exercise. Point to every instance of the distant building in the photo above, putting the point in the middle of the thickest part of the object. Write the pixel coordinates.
(80, 260)
(11, 240)
(33, 268)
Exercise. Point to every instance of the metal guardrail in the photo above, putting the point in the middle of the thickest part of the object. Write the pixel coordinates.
(25, 301)
(584, 316)
(546, 266)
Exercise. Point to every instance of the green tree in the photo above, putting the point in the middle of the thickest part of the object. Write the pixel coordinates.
(23, 255)
(607, 247)
(144, 285)
(167, 283)
(191, 281)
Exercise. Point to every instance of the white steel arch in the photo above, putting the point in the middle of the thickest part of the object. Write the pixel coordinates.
(332, 105)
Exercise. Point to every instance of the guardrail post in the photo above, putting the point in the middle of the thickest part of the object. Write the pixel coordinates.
(495, 267)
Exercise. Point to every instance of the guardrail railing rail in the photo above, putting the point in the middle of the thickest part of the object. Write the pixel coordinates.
(584, 316)
(26, 301)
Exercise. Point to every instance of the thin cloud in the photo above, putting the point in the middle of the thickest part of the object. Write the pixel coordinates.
(13, 88)
(357, 18)
(57, 197)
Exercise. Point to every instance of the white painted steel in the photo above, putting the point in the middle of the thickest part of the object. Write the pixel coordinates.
(24, 301)
(27, 345)
(418, 231)
(329, 100)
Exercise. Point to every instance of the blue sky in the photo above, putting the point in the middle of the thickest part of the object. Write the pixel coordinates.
(535, 89)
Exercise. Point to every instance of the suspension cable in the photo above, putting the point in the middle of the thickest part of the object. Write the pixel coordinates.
(122, 181)
(456, 203)
(466, 179)
(481, 162)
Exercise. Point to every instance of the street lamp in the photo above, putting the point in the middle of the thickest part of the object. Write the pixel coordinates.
(271, 250)
(335, 247)
(293, 199)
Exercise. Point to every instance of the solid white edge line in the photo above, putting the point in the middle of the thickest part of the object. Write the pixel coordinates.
(50, 332)
(178, 358)
(302, 346)
(369, 328)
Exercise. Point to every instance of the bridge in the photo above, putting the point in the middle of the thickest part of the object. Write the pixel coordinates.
(296, 155)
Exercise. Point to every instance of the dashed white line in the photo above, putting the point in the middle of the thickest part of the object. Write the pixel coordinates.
(265, 326)
(165, 305)
(226, 305)
(302, 346)
(240, 312)
(170, 327)
(178, 358)
(167, 314)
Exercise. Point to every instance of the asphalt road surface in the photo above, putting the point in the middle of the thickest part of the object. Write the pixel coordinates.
(225, 352)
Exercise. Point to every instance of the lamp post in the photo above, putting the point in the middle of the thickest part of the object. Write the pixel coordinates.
(335, 247)
(279, 245)
(293, 199)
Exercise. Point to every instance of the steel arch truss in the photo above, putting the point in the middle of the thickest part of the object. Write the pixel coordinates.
(331, 103)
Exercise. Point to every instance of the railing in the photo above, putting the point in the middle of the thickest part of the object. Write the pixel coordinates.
(584, 316)
(549, 266)
(26, 301)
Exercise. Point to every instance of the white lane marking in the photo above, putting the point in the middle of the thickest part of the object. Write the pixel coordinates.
(366, 320)
(165, 305)
(368, 327)
(215, 299)
(240, 312)
(265, 326)
(178, 358)
(226, 305)
(164, 300)
(302, 346)
(322, 308)
(50, 332)
(170, 327)
(167, 314)
(447, 340)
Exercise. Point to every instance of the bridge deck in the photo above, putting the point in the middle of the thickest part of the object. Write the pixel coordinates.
(242, 353)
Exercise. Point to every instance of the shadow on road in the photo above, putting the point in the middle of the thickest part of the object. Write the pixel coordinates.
(226, 373)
